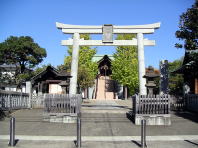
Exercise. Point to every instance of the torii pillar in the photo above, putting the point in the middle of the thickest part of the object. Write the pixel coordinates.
(107, 31)
(74, 64)
(141, 64)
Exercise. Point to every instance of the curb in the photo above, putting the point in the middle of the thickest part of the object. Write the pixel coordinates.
(102, 138)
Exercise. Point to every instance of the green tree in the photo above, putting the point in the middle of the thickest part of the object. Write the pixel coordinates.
(87, 69)
(125, 65)
(188, 32)
(188, 28)
(175, 80)
(22, 52)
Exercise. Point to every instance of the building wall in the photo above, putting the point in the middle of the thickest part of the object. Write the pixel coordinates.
(55, 89)
(196, 86)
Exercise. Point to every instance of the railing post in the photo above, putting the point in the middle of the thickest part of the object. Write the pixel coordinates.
(143, 133)
(12, 132)
(79, 130)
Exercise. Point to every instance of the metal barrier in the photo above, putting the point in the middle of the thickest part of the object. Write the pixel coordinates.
(12, 132)
(143, 133)
(79, 130)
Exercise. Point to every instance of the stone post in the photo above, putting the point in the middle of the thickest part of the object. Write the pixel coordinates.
(74, 64)
(141, 64)
(28, 89)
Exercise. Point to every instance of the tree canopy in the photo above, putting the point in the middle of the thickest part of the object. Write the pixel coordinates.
(22, 52)
(125, 64)
(188, 32)
(175, 80)
(188, 28)
(87, 69)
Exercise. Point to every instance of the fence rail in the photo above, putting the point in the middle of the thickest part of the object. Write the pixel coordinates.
(10, 100)
(192, 102)
(62, 104)
(151, 104)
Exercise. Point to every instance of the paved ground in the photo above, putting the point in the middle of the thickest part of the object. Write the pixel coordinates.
(129, 144)
(100, 121)
(107, 106)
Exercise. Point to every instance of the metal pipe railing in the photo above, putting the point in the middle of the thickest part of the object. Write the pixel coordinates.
(12, 132)
(143, 133)
(79, 130)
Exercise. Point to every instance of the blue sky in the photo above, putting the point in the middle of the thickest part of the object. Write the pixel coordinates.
(36, 18)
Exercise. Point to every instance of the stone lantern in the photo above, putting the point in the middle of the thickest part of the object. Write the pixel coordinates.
(150, 77)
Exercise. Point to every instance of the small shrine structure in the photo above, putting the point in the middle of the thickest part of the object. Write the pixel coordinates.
(51, 81)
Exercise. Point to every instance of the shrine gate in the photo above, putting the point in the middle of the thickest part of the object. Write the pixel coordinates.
(107, 31)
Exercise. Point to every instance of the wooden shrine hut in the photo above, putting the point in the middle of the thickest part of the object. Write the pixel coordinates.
(51, 81)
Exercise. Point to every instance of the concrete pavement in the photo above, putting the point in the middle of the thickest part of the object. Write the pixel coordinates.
(104, 123)
(129, 144)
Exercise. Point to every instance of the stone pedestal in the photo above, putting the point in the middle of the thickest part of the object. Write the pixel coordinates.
(60, 118)
(154, 119)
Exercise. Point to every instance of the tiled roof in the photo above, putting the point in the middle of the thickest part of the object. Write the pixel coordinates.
(98, 57)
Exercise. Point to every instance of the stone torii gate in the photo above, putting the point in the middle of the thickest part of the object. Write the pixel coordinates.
(108, 31)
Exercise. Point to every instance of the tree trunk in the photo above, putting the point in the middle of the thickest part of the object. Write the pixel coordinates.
(85, 93)
(22, 67)
(125, 92)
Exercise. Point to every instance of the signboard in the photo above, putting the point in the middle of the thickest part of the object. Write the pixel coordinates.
(107, 31)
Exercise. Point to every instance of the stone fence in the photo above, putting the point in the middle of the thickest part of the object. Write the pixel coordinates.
(62, 107)
(10, 100)
(154, 108)
(37, 101)
(62, 104)
(50, 103)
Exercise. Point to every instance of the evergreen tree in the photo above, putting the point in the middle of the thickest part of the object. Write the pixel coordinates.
(188, 28)
(22, 52)
(188, 32)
